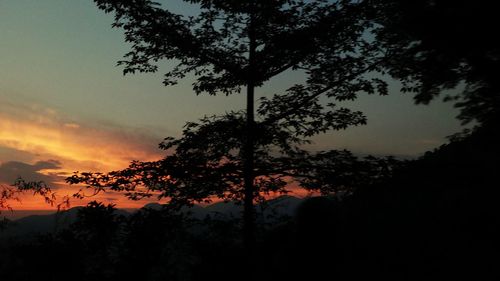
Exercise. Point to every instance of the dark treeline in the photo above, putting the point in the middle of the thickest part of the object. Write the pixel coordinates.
(436, 219)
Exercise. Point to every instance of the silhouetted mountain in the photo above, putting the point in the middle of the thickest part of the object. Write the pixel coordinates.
(17, 214)
(42, 223)
(269, 211)
(229, 209)
(154, 206)
(281, 206)
(45, 223)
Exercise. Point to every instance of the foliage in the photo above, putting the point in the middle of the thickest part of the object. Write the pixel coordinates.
(148, 244)
(4, 223)
(37, 188)
(230, 44)
(206, 163)
(438, 45)
(314, 36)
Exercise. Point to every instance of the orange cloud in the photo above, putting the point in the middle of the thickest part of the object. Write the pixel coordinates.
(45, 135)
(102, 149)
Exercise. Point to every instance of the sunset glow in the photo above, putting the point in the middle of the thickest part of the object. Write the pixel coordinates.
(46, 136)
(66, 107)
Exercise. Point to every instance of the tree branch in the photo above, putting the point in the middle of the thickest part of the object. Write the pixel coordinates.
(317, 94)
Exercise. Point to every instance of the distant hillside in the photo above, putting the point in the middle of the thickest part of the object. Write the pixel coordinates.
(271, 210)
(17, 214)
(41, 223)
(44, 223)
(283, 205)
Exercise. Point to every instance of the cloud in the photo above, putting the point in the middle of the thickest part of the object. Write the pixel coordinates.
(39, 143)
(14, 154)
(72, 125)
(46, 134)
(40, 171)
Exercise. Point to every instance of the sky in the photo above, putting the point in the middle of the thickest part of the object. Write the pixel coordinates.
(65, 106)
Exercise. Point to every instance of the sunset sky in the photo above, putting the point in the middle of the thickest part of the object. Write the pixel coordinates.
(65, 106)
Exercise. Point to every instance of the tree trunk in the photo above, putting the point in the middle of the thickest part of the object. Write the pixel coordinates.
(248, 210)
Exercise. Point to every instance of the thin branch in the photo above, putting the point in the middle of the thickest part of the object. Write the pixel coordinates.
(318, 93)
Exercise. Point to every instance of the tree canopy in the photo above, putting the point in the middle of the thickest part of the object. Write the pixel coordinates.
(207, 163)
(228, 45)
(438, 45)
(214, 45)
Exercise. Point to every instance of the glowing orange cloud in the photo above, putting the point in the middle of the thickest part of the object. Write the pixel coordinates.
(89, 147)
(45, 135)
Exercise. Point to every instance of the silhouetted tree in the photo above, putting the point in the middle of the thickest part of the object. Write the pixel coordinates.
(9, 193)
(97, 229)
(206, 163)
(228, 45)
(155, 246)
(436, 218)
(4, 223)
(438, 45)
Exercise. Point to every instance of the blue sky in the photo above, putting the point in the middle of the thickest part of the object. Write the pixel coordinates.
(58, 74)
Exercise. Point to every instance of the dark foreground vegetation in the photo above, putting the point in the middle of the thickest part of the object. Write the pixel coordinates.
(436, 219)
